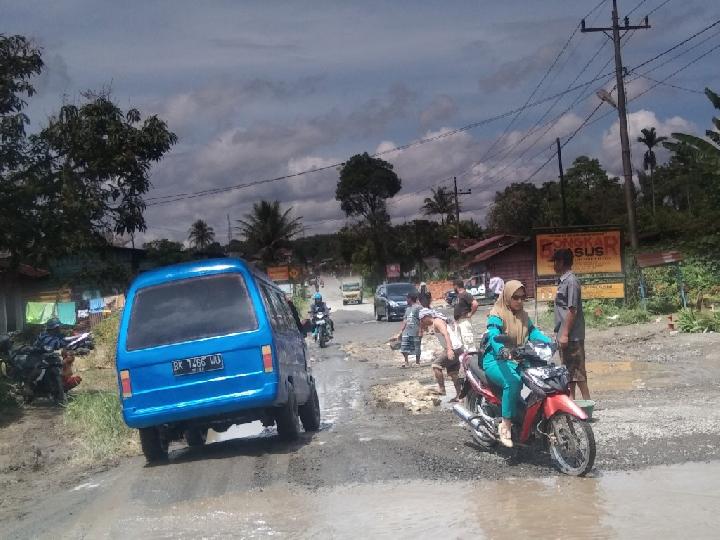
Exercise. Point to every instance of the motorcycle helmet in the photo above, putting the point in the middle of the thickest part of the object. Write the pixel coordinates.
(317, 297)
(52, 324)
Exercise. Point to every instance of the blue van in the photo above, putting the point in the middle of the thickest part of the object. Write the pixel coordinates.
(209, 344)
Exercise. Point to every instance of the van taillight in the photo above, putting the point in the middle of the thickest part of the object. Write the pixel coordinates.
(267, 358)
(125, 383)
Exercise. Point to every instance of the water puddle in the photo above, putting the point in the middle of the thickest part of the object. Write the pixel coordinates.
(628, 375)
(661, 502)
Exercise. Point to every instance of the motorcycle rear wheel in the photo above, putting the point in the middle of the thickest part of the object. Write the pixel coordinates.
(572, 444)
(472, 402)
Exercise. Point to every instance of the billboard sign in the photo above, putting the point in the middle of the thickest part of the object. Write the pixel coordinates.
(546, 293)
(595, 252)
(392, 270)
(278, 273)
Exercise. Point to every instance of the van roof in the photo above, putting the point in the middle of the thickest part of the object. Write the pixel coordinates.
(194, 269)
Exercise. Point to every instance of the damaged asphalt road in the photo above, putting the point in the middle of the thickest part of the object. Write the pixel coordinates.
(256, 486)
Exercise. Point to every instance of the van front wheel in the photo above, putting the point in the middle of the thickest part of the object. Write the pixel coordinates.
(288, 419)
(154, 444)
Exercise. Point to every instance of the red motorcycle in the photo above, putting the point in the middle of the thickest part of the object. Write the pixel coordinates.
(550, 415)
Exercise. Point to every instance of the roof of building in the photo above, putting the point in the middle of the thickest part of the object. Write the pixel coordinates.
(491, 241)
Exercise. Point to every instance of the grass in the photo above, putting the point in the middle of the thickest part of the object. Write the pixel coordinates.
(93, 412)
(599, 315)
(101, 432)
(693, 322)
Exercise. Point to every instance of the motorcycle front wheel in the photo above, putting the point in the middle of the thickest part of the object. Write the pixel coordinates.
(572, 444)
(322, 338)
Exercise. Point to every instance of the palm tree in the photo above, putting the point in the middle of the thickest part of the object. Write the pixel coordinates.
(441, 203)
(650, 139)
(201, 235)
(267, 229)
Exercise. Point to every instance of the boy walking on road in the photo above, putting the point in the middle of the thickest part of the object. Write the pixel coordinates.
(570, 322)
(410, 335)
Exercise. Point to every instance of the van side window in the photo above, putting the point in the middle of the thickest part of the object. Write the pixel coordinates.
(272, 313)
(288, 323)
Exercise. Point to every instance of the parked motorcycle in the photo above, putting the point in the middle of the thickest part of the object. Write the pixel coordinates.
(44, 371)
(550, 415)
(321, 333)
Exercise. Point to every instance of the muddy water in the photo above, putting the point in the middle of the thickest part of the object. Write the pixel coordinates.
(662, 502)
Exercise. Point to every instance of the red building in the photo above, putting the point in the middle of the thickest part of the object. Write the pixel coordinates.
(504, 255)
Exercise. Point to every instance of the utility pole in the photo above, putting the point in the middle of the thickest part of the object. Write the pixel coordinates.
(562, 182)
(624, 139)
(229, 230)
(457, 209)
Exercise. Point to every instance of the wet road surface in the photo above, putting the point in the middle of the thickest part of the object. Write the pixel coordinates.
(366, 475)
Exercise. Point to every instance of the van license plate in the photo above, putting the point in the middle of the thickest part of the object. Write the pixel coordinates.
(197, 364)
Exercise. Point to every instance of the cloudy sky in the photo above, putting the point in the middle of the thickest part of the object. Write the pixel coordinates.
(259, 90)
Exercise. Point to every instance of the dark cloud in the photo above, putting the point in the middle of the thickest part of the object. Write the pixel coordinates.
(441, 109)
(516, 73)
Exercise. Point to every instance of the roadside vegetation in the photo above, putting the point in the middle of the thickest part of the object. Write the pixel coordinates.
(93, 413)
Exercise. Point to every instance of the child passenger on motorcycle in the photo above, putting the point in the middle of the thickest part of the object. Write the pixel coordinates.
(508, 317)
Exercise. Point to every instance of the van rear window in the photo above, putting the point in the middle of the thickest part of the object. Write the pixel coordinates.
(190, 309)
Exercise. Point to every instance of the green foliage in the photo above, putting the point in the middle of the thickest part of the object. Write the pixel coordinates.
(164, 252)
(201, 235)
(691, 321)
(80, 178)
(105, 335)
(364, 185)
(441, 203)
(267, 229)
(610, 313)
(96, 417)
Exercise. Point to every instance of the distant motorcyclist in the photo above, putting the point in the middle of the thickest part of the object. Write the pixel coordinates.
(318, 306)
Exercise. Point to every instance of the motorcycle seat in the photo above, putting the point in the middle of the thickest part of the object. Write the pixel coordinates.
(479, 373)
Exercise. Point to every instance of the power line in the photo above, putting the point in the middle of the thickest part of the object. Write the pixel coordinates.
(169, 199)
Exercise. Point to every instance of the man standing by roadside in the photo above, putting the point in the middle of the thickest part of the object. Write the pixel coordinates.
(449, 359)
(496, 286)
(570, 322)
(465, 308)
(424, 296)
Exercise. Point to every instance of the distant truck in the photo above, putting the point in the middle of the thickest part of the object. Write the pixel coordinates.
(352, 291)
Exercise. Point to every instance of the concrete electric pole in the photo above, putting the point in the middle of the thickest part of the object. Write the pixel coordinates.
(624, 139)
(457, 209)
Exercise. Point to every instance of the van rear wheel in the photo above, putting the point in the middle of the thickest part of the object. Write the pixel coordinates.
(287, 418)
(154, 444)
(195, 436)
(310, 411)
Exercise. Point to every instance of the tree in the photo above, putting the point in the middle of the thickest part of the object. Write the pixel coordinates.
(650, 139)
(267, 228)
(709, 151)
(441, 203)
(20, 61)
(201, 235)
(363, 188)
(163, 252)
(517, 209)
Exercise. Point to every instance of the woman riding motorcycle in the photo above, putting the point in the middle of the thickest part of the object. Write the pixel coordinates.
(508, 317)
